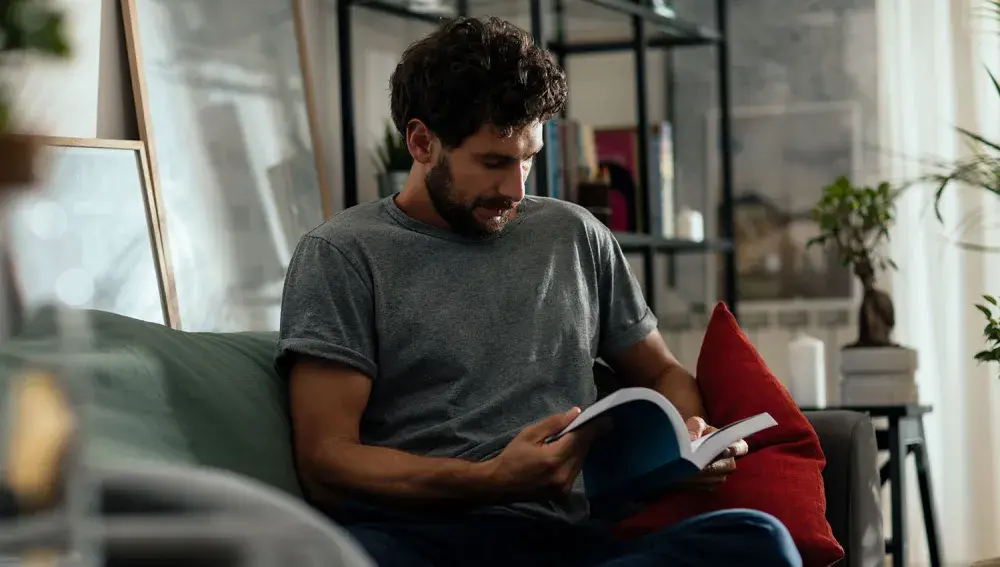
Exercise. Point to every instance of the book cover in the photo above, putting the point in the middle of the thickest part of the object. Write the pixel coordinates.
(647, 449)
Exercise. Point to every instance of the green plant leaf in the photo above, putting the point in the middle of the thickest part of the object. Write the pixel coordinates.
(993, 332)
(990, 299)
(992, 355)
(937, 197)
(996, 85)
(978, 138)
(985, 310)
(816, 241)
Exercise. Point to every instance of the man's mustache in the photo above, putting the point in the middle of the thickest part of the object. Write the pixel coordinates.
(495, 203)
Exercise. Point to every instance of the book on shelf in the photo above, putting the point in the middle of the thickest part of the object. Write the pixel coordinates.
(646, 448)
(577, 153)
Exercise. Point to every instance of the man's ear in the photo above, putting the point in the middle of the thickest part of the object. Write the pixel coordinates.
(420, 140)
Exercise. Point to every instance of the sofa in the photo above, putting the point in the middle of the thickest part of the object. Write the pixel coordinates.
(179, 428)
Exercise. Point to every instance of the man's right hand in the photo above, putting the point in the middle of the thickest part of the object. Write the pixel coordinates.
(531, 468)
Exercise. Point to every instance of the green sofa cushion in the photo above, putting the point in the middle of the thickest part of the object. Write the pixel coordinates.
(158, 394)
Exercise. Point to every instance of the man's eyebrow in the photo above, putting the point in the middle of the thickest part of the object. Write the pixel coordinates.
(507, 157)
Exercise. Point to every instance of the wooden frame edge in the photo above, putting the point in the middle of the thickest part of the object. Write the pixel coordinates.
(96, 143)
(164, 272)
(133, 50)
(312, 115)
(168, 300)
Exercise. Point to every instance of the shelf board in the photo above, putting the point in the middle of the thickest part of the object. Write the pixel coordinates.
(608, 46)
(400, 10)
(637, 242)
(680, 31)
(664, 31)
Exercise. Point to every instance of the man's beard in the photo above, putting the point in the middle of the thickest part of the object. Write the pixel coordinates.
(460, 216)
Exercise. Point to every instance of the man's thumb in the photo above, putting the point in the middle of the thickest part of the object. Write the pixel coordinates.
(554, 424)
(696, 427)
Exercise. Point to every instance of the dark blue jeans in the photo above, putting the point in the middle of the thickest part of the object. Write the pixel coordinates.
(730, 537)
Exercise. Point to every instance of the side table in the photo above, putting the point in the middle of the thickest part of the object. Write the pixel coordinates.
(904, 436)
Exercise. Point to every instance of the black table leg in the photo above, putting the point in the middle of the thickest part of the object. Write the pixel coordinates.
(897, 488)
(927, 497)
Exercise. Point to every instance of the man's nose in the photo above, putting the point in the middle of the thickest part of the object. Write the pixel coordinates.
(513, 186)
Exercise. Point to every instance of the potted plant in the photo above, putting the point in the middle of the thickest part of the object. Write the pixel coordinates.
(393, 162)
(26, 27)
(854, 222)
(991, 332)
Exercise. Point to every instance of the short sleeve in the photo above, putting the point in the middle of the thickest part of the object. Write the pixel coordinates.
(625, 316)
(327, 309)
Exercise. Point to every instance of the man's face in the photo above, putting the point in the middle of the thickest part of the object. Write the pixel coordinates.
(477, 186)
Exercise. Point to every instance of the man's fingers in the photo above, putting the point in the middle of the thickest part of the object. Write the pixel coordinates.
(696, 427)
(551, 425)
(720, 467)
(739, 449)
(576, 442)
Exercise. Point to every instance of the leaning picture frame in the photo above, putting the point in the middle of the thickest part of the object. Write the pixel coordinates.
(225, 108)
(88, 234)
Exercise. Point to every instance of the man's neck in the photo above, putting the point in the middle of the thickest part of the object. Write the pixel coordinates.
(416, 203)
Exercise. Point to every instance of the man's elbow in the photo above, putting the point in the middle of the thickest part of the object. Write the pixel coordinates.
(320, 474)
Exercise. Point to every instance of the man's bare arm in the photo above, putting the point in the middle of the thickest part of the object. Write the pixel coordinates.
(650, 364)
(327, 402)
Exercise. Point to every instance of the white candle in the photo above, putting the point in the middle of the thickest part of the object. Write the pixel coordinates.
(690, 225)
(807, 371)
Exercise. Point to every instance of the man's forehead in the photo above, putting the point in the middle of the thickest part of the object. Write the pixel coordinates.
(522, 140)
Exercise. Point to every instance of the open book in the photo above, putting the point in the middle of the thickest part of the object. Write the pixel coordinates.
(647, 449)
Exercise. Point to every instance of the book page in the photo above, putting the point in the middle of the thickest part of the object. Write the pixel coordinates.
(706, 449)
(701, 440)
(626, 396)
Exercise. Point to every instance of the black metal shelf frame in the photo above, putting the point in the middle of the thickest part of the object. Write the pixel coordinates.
(649, 30)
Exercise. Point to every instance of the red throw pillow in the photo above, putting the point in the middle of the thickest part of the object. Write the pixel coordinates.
(783, 473)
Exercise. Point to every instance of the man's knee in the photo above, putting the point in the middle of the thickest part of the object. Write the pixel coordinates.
(764, 536)
(386, 550)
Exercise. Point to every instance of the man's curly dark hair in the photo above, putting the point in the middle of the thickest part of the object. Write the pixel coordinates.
(476, 71)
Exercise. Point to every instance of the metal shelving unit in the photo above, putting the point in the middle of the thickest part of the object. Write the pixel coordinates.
(649, 30)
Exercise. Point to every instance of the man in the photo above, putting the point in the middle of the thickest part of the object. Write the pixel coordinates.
(433, 339)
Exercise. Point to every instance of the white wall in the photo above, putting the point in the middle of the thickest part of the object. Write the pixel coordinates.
(90, 96)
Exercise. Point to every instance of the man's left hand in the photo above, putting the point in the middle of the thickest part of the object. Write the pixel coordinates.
(719, 470)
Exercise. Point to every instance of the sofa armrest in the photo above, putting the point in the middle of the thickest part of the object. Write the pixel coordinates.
(853, 487)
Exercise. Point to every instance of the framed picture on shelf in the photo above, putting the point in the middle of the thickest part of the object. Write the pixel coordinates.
(783, 157)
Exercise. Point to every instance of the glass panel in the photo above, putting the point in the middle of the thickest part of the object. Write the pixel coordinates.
(81, 236)
(238, 184)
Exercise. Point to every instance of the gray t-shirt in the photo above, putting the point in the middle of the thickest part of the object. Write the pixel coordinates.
(466, 341)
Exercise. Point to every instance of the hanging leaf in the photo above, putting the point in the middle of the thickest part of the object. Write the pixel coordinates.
(988, 355)
(985, 310)
(978, 138)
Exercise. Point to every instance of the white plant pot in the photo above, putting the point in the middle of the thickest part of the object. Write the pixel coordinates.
(878, 376)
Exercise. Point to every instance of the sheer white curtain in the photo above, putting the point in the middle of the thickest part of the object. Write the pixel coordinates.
(933, 55)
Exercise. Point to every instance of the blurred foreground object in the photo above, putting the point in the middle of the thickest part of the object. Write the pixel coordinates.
(40, 431)
(27, 27)
(18, 153)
